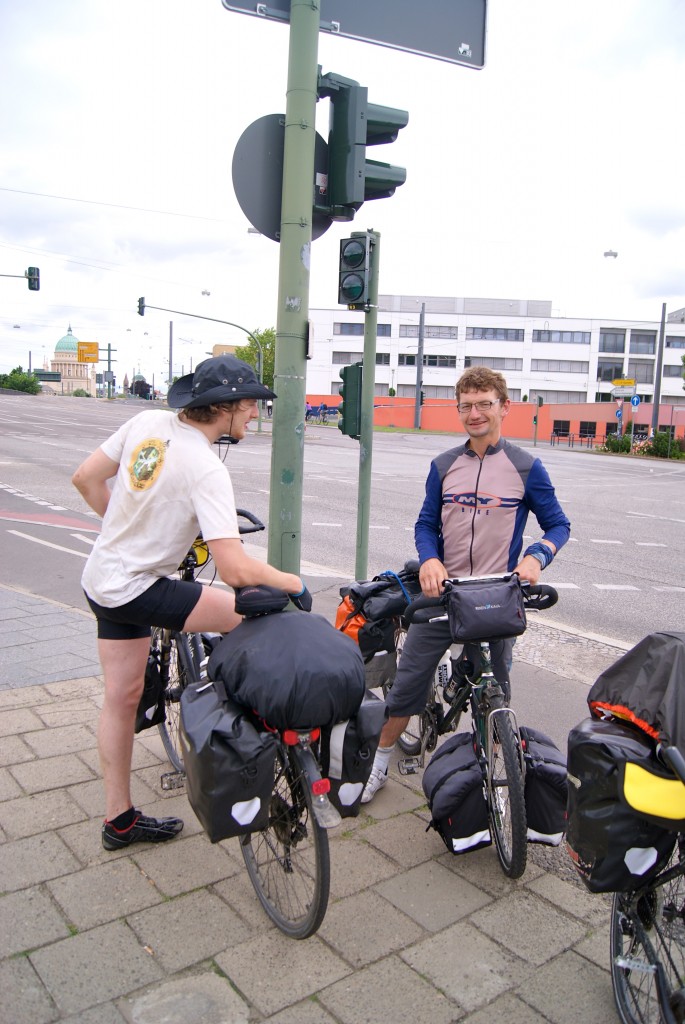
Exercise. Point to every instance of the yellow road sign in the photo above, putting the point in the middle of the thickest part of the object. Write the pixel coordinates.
(87, 352)
(623, 382)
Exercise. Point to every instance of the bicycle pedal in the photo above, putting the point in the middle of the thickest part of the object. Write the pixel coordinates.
(409, 765)
(173, 780)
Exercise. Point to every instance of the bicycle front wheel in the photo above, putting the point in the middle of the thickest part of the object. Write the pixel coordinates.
(288, 862)
(506, 800)
(181, 672)
(647, 931)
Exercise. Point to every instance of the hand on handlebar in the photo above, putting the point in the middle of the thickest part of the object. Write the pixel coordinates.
(528, 569)
(303, 600)
(432, 575)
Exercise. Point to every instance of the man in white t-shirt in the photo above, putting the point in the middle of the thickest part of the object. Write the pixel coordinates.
(168, 486)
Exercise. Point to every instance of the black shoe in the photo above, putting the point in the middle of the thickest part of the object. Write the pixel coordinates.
(143, 830)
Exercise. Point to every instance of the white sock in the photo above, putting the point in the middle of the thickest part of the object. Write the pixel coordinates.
(382, 758)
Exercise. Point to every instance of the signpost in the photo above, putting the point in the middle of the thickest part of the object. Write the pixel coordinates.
(87, 352)
(634, 401)
(450, 30)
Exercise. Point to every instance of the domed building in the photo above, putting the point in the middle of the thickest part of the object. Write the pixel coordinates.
(74, 374)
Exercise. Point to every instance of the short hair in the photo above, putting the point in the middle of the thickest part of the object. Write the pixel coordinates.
(482, 378)
(210, 413)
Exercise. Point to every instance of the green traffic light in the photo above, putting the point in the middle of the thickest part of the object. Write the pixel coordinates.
(351, 287)
(352, 253)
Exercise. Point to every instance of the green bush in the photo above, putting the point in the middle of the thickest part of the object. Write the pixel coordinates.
(80, 393)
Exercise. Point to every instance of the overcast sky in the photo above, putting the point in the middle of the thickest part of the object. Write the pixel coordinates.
(119, 122)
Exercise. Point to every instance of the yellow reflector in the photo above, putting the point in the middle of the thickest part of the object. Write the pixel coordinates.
(651, 794)
(201, 551)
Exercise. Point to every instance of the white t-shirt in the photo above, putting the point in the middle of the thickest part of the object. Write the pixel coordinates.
(170, 486)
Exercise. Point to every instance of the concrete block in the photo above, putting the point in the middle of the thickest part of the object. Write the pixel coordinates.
(94, 967)
(183, 864)
(51, 773)
(355, 865)
(346, 928)
(508, 1009)
(529, 926)
(569, 989)
(62, 740)
(432, 895)
(482, 868)
(18, 720)
(27, 862)
(103, 893)
(15, 751)
(9, 787)
(590, 908)
(28, 919)
(194, 999)
(405, 839)
(29, 815)
(24, 998)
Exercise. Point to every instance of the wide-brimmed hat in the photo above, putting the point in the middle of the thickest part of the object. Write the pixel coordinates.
(219, 379)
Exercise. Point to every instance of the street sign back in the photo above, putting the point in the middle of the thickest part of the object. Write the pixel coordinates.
(451, 30)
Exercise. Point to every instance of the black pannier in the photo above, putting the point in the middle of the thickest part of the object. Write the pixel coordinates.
(368, 609)
(454, 787)
(151, 707)
(229, 763)
(347, 753)
(294, 670)
(613, 847)
(545, 788)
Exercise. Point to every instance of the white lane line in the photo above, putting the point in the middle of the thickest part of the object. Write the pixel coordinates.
(671, 590)
(565, 586)
(47, 544)
(337, 525)
(647, 515)
(649, 544)
(613, 586)
(592, 541)
(86, 540)
(372, 527)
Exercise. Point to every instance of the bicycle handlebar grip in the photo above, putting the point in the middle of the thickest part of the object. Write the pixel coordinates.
(539, 596)
(675, 761)
(256, 525)
(421, 605)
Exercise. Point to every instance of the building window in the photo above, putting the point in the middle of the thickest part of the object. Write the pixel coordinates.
(443, 362)
(494, 334)
(558, 366)
(558, 397)
(587, 428)
(673, 342)
(609, 369)
(561, 428)
(563, 337)
(404, 359)
(429, 331)
(382, 359)
(612, 341)
(355, 329)
(641, 372)
(643, 344)
(383, 330)
(345, 358)
(494, 362)
(673, 371)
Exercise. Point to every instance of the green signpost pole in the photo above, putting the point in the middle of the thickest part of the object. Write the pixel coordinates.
(366, 430)
(287, 451)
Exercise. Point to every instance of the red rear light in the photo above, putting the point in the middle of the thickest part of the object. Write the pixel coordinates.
(321, 786)
(314, 735)
(291, 738)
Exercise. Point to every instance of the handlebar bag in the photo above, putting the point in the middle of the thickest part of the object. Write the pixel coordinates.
(613, 847)
(347, 753)
(454, 787)
(486, 610)
(293, 669)
(229, 763)
(546, 788)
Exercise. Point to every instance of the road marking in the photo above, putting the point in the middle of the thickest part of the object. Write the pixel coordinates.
(613, 586)
(649, 544)
(337, 525)
(592, 541)
(565, 586)
(372, 527)
(47, 544)
(86, 540)
(646, 515)
(670, 590)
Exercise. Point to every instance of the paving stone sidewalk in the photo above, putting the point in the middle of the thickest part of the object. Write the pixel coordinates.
(174, 934)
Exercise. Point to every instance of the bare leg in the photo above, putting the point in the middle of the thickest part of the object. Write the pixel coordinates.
(123, 665)
(393, 728)
(214, 612)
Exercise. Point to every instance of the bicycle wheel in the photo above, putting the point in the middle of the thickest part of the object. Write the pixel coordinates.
(288, 862)
(506, 801)
(647, 931)
(181, 672)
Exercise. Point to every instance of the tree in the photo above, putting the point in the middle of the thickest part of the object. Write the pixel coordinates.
(17, 380)
(250, 354)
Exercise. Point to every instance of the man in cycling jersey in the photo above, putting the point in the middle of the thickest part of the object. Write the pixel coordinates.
(478, 497)
(168, 485)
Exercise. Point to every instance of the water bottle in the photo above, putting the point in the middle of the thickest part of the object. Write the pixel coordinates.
(461, 670)
(444, 672)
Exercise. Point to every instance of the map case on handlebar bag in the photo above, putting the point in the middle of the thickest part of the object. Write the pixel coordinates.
(486, 609)
(229, 763)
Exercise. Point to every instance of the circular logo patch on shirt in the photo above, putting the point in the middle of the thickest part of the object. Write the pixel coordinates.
(146, 463)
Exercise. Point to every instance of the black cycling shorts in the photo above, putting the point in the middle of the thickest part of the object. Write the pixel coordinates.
(166, 603)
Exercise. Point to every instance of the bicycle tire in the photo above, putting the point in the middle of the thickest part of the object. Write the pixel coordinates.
(289, 861)
(505, 792)
(182, 671)
(659, 910)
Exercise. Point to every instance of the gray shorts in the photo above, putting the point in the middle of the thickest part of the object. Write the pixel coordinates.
(423, 648)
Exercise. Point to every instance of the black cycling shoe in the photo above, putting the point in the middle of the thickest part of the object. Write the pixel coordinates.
(143, 830)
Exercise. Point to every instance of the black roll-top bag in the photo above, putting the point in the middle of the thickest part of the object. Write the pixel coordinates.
(454, 787)
(546, 788)
(347, 753)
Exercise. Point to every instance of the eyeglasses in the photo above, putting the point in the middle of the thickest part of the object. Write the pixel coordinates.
(466, 408)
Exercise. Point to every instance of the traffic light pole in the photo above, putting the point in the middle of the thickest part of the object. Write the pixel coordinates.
(287, 449)
(366, 431)
(419, 368)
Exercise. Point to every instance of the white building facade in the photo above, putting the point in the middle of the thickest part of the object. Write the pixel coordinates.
(560, 360)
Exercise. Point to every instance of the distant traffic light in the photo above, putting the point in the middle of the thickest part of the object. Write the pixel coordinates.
(33, 274)
(354, 271)
(141, 306)
(355, 124)
(350, 408)
(422, 397)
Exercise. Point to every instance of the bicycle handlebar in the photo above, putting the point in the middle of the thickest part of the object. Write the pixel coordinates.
(536, 597)
(255, 525)
(675, 761)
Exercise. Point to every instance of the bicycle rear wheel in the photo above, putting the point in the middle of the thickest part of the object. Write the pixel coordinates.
(288, 862)
(181, 672)
(506, 801)
(647, 931)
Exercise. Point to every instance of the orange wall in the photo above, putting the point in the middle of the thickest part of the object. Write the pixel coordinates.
(441, 415)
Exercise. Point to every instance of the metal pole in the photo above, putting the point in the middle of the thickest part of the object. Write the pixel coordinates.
(366, 429)
(287, 450)
(419, 369)
(659, 371)
(171, 351)
(109, 370)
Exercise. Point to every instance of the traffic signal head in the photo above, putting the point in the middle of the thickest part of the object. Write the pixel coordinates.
(141, 306)
(350, 408)
(355, 124)
(354, 271)
(33, 274)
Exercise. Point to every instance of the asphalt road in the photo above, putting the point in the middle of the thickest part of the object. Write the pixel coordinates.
(621, 576)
